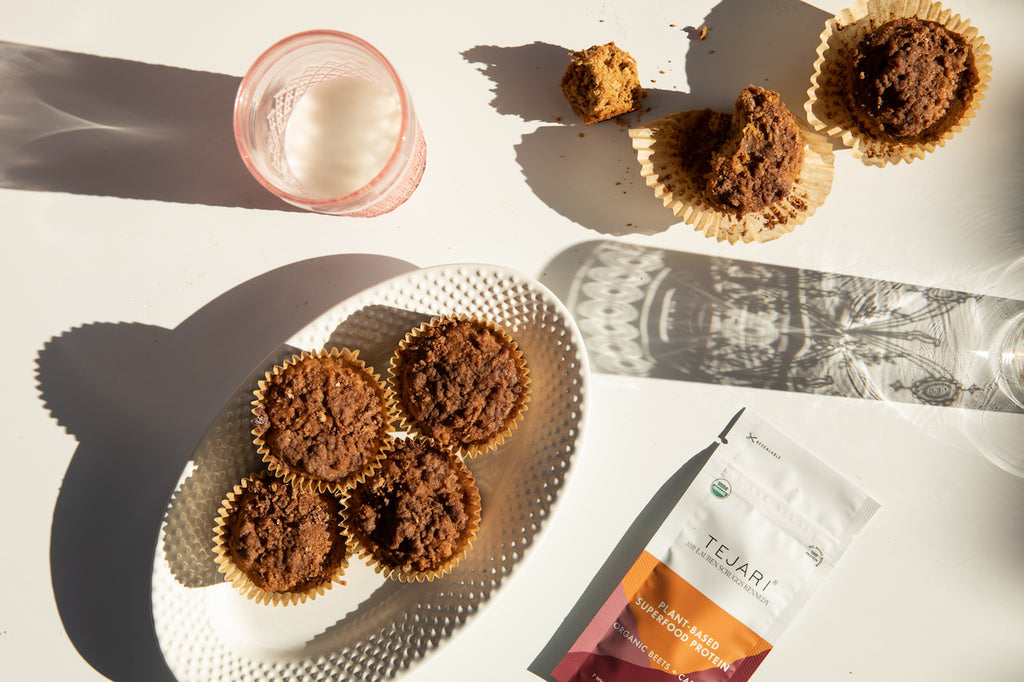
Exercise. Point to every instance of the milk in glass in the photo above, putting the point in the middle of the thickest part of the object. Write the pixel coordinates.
(341, 134)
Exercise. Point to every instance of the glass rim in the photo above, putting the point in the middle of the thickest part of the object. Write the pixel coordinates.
(376, 187)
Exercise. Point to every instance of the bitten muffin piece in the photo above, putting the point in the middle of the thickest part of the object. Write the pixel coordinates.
(602, 82)
(284, 538)
(414, 513)
(695, 151)
(911, 80)
(323, 417)
(459, 381)
(760, 157)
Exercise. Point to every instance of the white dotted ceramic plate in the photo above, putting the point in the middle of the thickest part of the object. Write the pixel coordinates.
(372, 629)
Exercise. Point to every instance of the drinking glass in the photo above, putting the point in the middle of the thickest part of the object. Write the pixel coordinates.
(270, 94)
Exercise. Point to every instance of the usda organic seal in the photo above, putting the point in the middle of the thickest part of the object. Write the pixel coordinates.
(721, 488)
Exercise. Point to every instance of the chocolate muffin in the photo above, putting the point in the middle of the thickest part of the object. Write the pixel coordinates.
(695, 151)
(602, 82)
(321, 418)
(897, 81)
(281, 538)
(912, 79)
(759, 158)
(416, 515)
(749, 175)
(461, 381)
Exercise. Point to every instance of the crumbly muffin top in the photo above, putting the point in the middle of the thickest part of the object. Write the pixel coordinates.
(759, 158)
(912, 79)
(412, 513)
(695, 151)
(323, 417)
(601, 82)
(459, 381)
(284, 538)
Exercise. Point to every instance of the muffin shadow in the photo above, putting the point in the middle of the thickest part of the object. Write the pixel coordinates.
(750, 42)
(590, 174)
(518, 73)
(225, 455)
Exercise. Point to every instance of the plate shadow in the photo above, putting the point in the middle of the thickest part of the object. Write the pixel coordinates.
(137, 398)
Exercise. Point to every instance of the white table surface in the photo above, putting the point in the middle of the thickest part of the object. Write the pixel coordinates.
(150, 274)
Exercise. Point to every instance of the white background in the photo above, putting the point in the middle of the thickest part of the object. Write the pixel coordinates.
(148, 275)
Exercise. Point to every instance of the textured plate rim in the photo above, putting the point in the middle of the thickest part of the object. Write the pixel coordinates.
(374, 294)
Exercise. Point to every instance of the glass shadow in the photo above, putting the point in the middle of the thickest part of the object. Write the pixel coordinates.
(673, 315)
(85, 124)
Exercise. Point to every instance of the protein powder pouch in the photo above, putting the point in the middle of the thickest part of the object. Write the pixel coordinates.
(739, 554)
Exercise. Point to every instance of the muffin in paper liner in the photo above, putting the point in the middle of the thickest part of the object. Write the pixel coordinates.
(828, 109)
(307, 421)
(246, 585)
(457, 429)
(397, 514)
(657, 147)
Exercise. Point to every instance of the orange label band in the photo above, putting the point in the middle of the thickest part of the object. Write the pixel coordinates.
(691, 631)
(657, 627)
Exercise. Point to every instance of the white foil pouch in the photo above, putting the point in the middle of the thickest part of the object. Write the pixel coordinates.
(743, 549)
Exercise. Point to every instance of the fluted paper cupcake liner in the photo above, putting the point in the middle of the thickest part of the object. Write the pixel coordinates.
(657, 148)
(409, 424)
(291, 474)
(827, 106)
(363, 546)
(237, 577)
